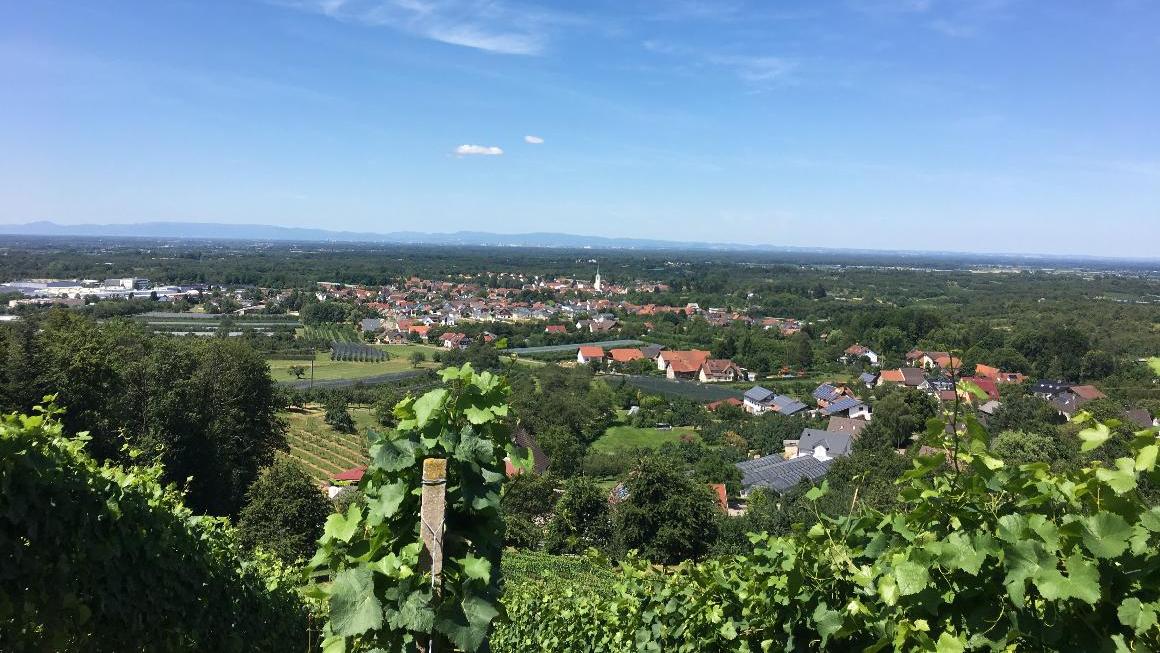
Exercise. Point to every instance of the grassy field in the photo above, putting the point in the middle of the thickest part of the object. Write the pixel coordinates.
(1154, 363)
(625, 438)
(328, 370)
(322, 451)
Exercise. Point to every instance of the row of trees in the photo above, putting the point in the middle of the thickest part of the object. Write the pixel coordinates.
(205, 408)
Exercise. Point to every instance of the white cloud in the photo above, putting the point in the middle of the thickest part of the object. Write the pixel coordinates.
(493, 25)
(534, 140)
(478, 150)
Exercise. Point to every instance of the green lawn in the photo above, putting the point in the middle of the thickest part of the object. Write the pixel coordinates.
(624, 438)
(328, 370)
(1154, 363)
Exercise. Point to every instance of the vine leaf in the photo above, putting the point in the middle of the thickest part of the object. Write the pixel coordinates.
(354, 608)
(1122, 479)
(477, 568)
(912, 577)
(428, 404)
(1094, 436)
(1137, 615)
(1106, 534)
(342, 528)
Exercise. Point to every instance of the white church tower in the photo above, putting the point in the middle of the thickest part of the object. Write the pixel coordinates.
(597, 286)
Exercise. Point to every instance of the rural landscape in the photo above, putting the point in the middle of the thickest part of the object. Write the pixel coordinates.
(513, 326)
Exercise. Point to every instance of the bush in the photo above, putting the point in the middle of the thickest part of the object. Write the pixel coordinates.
(284, 513)
(99, 558)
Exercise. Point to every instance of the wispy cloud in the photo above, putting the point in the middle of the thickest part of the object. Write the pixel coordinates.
(534, 140)
(478, 150)
(954, 18)
(756, 70)
(488, 25)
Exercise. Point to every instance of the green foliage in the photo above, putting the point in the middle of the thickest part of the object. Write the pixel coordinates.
(581, 519)
(380, 596)
(101, 558)
(205, 408)
(994, 556)
(337, 415)
(284, 513)
(667, 516)
(528, 500)
(899, 414)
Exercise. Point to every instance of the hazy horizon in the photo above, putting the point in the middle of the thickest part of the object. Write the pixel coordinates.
(989, 126)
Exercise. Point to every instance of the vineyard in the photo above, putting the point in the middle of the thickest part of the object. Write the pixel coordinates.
(322, 451)
(349, 352)
(325, 334)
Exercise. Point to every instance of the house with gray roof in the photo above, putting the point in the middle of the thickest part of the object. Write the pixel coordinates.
(846, 407)
(759, 400)
(824, 445)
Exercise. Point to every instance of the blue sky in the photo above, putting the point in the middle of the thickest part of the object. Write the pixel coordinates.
(980, 125)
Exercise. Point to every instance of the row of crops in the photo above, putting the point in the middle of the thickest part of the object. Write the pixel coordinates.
(322, 451)
(322, 335)
(354, 352)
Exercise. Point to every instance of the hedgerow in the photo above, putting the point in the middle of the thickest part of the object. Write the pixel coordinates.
(986, 556)
(100, 558)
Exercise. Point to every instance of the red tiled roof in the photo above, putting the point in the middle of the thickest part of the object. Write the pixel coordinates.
(732, 401)
(1087, 392)
(986, 385)
(625, 355)
(353, 474)
(892, 376)
(589, 351)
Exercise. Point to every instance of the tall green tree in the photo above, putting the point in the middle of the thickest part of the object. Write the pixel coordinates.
(667, 516)
(284, 513)
(581, 518)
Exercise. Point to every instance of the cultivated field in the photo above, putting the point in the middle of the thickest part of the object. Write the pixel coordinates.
(322, 451)
(328, 370)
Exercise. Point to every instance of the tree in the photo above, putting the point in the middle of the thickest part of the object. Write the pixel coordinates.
(1097, 365)
(1024, 413)
(581, 520)
(284, 513)
(337, 415)
(667, 515)
(297, 371)
(527, 504)
(417, 358)
(564, 450)
(899, 415)
(1019, 448)
(801, 351)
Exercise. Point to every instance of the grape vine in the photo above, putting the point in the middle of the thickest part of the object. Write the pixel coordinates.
(101, 558)
(368, 563)
(996, 557)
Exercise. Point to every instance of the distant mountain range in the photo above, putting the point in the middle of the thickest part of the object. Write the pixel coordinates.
(209, 230)
(259, 232)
